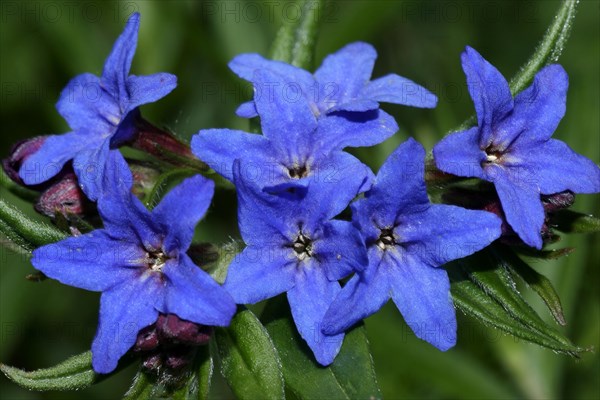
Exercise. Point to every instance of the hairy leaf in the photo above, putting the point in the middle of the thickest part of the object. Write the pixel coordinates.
(573, 222)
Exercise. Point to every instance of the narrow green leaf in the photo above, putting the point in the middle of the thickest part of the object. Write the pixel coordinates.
(573, 222)
(204, 372)
(26, 232)
(483, 288)
(142, 388)
(550, 48)
(295, 41)
(552, 254)
(351, 376)
(13, 240)
(17, 190)
(248, 359)
(547, 52)
(538, 282)
(73, 374)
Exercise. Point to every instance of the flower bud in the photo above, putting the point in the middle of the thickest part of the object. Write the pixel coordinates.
(558, 201)
(170, 327)
(152, 363)
(20, 152)
(63, 197)
(144, 179)
(178, 358)
(147, 339)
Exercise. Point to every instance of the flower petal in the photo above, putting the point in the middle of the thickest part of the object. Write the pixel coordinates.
(220, 147)
(341, 250)
(181, 209)
(538, 109)
(343, 74)
(194, 295)
(459, 154)
(555, 167)
(440, 233)
(89, 166)
(94, 261)
(87, 106)
(521, 203)
(422, 294)
(245, 65)
(399, 189)
(398, 90)
(246, 110)
(124, 311)
(285, 115)
(309, 300)
(363, 295)
(489, 91)
(350, 129)
(259, 273)
(117, 65)
(49, 160)
(148, 89)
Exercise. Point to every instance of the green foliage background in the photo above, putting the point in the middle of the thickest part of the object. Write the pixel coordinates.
(45, 43)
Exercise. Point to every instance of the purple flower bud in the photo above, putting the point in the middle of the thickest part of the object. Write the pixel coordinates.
(63, 197)
(178, 358)
(171, 327)
(147, 339)
(558, 201)
(19, 152)
(152, 363)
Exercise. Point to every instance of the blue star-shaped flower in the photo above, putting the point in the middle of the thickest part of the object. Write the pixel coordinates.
(294, 247)
(407, 240)
(512, 146)
(101, 113)
(291, 153)
(139, 263)
(340, 93)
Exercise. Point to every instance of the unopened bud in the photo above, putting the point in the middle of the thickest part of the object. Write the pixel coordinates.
(144, 179)
(558, 201)
(152, 363)
(147, 339)
(172, 328)
(178, 358)
(20, 152)
(63, 197)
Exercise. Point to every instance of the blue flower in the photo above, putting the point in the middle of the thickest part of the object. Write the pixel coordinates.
(291, 153)
(139, 263)
(294, 247)
(101, 112)
(512, 146)
(407, 241)
(340, 93)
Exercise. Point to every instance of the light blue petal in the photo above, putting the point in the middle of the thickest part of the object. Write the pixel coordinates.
(259, 273)
(459, 154)
(148, 89)
(124, 311)
(195, 296)
(309, 300)
(422, 294)
(489, 91)
(94, 261)
(181, 209)
(398, 90)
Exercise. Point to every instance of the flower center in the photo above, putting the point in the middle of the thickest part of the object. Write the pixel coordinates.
(492, 155)
(156, 261)
(298, 171)
(302, 247)
(386, 239)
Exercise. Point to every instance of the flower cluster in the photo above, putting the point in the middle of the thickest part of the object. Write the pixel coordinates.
(293, 182)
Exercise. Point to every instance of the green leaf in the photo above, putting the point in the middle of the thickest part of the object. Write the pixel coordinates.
(573, 222)
(142, 387)
(16, 189)
(248, 359)
(24, 231)
(538, 282)
(547, 52)
(552, 254)
(351, 376)
(482, 288)
(73, 374)
(295, 41)
(227, 252)
(204, 372)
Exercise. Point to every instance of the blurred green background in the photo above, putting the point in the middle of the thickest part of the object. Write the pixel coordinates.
(45, 43)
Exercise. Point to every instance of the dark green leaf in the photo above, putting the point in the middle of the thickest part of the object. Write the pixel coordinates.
(538, 282)
(483, 288)
(72, 374)
(248, 359)
(545, 254)
(204, 372)
(573, 222)
(351, 376)
(24, 231)
(295, 41)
